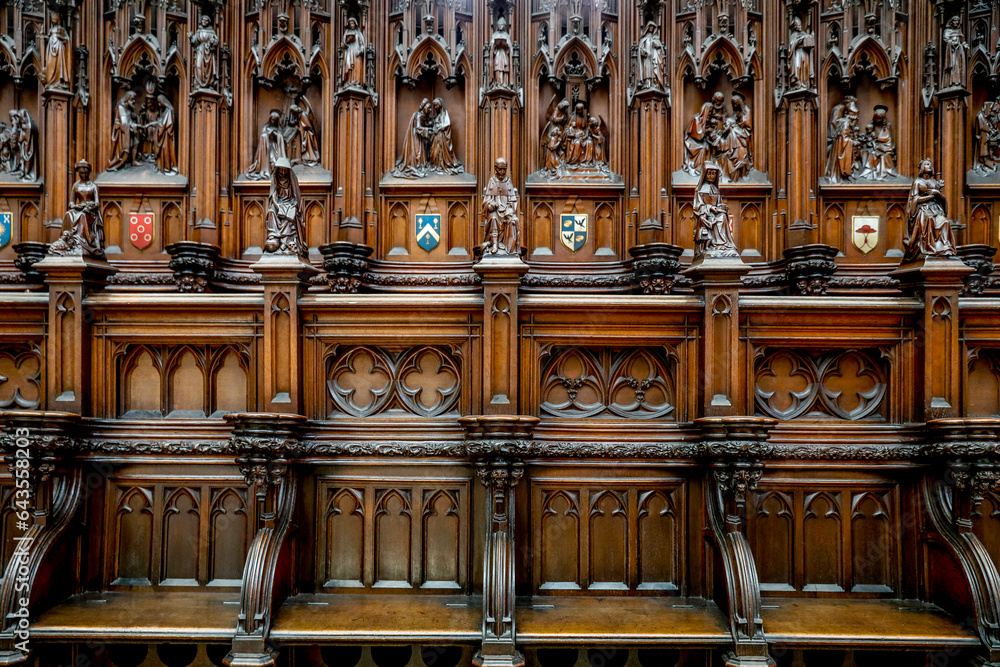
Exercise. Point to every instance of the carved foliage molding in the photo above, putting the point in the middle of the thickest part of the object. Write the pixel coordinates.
(634, 383)
(176, 533)
(364, 380)
(608, 537)
(849, 384)
(393, 534)
(826, 539)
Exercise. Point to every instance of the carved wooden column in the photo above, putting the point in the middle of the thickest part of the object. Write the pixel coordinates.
(355, 139)
(498, 444)
(205, 165)
(501, 97)
(938, 281)
(284, 278)
(57, 153)
(803, 161)
(953, 109)
(501, 277)
(735, 447)
(650, 107)
(718, 281)
(70, 279)
(264, 445)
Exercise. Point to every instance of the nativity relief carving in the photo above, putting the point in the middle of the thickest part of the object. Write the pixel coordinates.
(853, 154)
(573, 141)
(721, 136)
(986, 139)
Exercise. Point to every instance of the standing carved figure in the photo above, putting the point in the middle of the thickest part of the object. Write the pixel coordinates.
(441, 154)
(955, 49)
(701, 141)
(284, 222)
(166, 148)
(204, 42)
(26, 137)
(650, 58)
(500, 54)
(503, 228)
(354, 45)
(57, 72)
(928, 229)
(800, 46)
(125, 139)
(736, 137)
(416, 144)
(308, 139)
(712, 236)
(83, 226)
(842, 141)
(880, 150)
(986, 139)
(270, 148)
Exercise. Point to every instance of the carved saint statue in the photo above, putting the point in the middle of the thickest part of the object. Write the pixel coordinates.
(842, 141)
(955, 49)
(284, 222)
(879, 149)
(736, 136)
(928, 230)
(986, 139)
(270, 148)
(204, 42)
(503, 228)
(800, 46)
(500, 55)
(166, 148)
(712, 236)
(126, 139)
(83, 226)
(573, 142)
(57, 71)
(712, 135)
(427, 144)
(19, 146)
(353, 72)
(307, 129)
(650, 73)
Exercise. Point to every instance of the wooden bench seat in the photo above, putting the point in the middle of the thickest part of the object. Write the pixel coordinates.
(141, 617)
(571, 620)
(879, 624)
(379, 619)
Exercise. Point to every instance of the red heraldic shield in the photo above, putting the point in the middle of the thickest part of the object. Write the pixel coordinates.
(140, 229)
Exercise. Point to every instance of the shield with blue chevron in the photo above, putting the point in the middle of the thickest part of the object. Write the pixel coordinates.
(6, 223)
(428, 231)
(573, 231)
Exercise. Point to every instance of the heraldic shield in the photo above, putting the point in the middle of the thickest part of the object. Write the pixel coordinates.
(6, 223)
(865, 236)
(428, 231)
(140, 229)
(573, 230)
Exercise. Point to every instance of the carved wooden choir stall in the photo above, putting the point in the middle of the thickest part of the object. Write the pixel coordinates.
(557, 333)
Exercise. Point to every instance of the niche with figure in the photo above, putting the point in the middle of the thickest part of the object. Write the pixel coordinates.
(144, 64)
(429, 121)
(21, 75)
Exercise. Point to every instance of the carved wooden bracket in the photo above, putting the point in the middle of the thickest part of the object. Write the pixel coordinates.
(264, 444)
(54, 494)
(498, 445)
(735, 446)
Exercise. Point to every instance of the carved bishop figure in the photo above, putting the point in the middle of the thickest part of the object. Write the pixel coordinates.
(503, 228)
